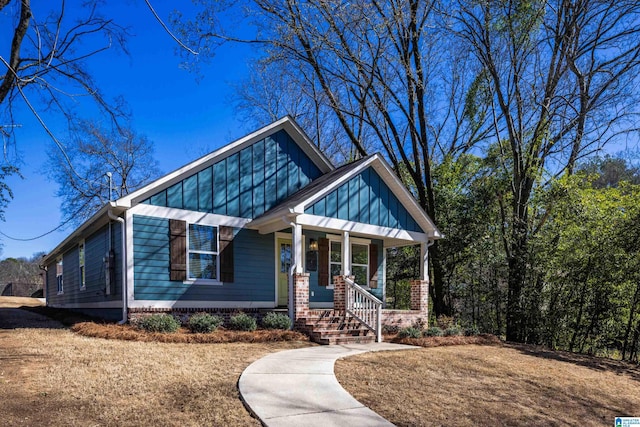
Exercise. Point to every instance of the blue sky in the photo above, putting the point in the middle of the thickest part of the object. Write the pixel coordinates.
(184, 118)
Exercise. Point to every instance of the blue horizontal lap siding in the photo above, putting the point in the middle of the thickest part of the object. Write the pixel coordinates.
(254, 272)
(245, 184)
(365, 198)
(96, 248)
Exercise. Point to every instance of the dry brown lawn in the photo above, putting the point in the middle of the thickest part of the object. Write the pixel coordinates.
(54, 377)
(492, 385)
(15, 302)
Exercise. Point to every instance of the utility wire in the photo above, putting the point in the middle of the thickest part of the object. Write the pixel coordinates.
(62, 224)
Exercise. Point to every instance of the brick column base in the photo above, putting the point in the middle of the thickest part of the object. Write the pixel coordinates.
(300, 296)
(420, 296)
(340, 293)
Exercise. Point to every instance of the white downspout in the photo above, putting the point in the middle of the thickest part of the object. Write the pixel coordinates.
(124, 270)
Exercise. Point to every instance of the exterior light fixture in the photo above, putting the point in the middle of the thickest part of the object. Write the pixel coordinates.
(313, 244)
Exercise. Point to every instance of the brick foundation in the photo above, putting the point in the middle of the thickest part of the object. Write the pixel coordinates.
(419, 313)
(398, 319)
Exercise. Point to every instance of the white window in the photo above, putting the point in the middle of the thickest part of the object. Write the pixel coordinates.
(83, 282)
(59, 269)
(335, 259)
(360, 263)
(359, 260)
(202, 252)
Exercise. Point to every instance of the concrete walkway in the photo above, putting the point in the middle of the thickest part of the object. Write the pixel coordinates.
(299, 388)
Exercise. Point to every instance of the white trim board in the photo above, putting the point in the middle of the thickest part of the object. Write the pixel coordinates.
(192, 217)
(104, 304)
(200, 304)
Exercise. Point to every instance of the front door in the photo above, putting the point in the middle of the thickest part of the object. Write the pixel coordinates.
(284, 269)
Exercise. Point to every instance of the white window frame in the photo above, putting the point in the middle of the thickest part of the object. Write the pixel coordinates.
(352, 241)
(81, 265)
(366, 266)
(339, 262)
(60, 275)
(194, 280)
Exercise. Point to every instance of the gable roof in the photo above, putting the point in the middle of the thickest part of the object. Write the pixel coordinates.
(287, 124)
(321, 187)
(117, 207)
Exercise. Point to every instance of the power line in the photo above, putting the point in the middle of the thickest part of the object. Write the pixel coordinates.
(62, 224)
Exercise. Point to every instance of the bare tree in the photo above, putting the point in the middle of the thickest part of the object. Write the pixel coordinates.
(48, 57)
(562, 78)
(94, 151)
(45, 66)
(277, 88)
(393, 79)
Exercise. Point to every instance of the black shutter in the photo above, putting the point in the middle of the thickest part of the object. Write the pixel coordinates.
(323, 262)
(226, 254)
(177, 250)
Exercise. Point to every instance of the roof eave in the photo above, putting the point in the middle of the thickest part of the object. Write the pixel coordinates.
(99, 219)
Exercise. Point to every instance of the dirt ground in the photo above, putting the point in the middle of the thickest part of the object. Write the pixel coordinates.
(50, 376)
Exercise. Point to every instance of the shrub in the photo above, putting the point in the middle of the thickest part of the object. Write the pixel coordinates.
(471, 331)
(451, 331)
(242, 322)
(276, 321)
(433, 331)
(445, 322)
(159, 323)
(390, 329)
(419, 324)
(410, 332)
(203, 323)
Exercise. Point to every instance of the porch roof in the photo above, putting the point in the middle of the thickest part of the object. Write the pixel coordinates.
(295, 208)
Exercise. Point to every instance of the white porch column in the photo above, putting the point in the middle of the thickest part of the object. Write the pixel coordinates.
(424, 260)
(346, 254)
(296, 265)
(296, 231)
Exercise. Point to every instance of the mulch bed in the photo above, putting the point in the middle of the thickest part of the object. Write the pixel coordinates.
(131, 333)
(482, 339)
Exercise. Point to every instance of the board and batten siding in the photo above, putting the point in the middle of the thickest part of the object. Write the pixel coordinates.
(96, 248)
(247, 183)
(367, 199)
(254, 267)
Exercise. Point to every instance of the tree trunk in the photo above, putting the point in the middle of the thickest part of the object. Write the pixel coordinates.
(517, 265)
(632, 312)
(441, 307)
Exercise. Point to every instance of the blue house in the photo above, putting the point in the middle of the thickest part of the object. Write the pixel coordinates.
(265, 223)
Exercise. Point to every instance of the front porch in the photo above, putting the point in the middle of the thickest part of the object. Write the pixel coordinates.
(338, 229)
(356, 316)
